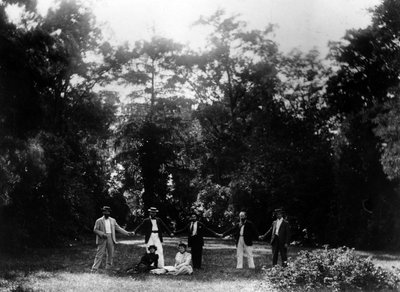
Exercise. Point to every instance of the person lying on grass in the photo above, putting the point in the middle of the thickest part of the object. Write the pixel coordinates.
(182, 264)
(147, 263)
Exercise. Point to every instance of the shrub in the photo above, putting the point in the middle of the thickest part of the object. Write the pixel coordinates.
(332, 270)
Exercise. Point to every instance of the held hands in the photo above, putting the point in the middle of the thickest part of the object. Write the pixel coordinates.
(172, 234)
(261, 237)
(132, 233)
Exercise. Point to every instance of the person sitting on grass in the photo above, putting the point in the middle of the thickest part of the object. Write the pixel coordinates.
(182, 264)
(182, 261)
(147, 263)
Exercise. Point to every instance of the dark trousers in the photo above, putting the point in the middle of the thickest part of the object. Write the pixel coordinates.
(197, 253)
(278, 247)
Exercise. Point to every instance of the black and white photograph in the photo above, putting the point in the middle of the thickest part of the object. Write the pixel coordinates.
(199, 145)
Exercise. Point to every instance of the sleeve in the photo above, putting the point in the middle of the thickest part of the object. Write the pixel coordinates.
(268, 231)
(96, 228)
(143, 259)
(208, 229)
(120, 229)
(188, 259)
(184, 229)
(156, 260)
(185, 261)
(164, 226)
(229, 231)
(176, 260)
(288, 233)
(139, 226)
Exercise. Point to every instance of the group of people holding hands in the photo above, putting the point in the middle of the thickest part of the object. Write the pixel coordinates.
(152, 261)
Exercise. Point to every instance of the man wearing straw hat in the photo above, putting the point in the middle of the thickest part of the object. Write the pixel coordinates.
(151, 227)
(105, 228)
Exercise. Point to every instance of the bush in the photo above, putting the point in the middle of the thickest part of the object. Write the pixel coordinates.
(332, 270)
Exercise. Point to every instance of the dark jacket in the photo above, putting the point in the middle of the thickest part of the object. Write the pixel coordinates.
(197, 239)
(147, 226)
(149, 259)
(249, 233)
(283, 232)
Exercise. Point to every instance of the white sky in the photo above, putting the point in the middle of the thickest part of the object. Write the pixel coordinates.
(304, 24)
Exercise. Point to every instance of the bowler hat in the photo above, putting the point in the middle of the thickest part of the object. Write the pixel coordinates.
(106, 209)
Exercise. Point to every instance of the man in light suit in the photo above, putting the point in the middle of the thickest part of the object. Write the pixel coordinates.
(244, 232)
(152, 228)
(105, 228)
(280, 238)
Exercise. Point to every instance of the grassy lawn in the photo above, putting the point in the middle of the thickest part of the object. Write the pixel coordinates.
(68, 269)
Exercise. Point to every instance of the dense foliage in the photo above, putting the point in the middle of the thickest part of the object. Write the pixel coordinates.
(238, 125)
(363, 96)
(338, 269)
(54, 129)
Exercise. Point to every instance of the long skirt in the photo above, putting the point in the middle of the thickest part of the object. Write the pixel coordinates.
(185, 270)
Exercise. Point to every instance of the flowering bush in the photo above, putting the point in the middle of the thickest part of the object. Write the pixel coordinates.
(333, 270)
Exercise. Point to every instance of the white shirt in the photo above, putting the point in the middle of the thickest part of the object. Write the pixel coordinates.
(107, 225)
(183, 258)
(155, 227)
(193, 227)
(242, 230)
(278, 225)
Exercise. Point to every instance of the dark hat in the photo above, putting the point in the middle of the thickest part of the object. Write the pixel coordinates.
(182, 244)
(106, 209)
(153, 209)
(279, 210)
(152, 246)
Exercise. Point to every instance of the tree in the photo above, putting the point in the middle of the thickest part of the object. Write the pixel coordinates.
(357, 94)
(150, 136)
(55, 128)
(264, 126)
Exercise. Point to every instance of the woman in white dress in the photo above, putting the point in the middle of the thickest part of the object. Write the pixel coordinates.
(182, 261)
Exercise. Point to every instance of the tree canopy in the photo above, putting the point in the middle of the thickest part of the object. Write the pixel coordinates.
(238, 125)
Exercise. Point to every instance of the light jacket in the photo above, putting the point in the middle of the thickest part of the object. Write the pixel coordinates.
(100, 229)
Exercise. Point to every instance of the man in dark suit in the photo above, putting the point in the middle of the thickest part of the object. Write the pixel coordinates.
(196, 231)
(244, 232)
(280, 238)
(152, 228)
